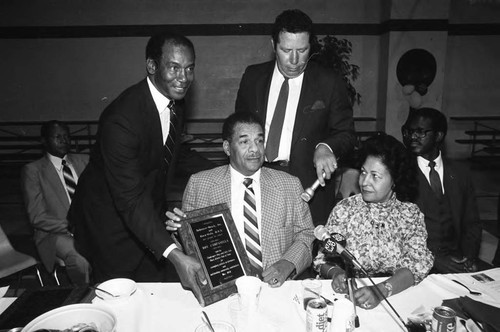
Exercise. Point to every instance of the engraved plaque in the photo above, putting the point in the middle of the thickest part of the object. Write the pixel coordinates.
(211, 235)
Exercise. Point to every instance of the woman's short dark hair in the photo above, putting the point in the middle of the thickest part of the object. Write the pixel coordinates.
(235, 118)
(398, 160)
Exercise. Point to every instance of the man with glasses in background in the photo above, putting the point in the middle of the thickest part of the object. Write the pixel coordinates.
(445, 196)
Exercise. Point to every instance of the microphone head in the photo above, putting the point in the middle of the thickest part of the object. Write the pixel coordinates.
(321, 233)
(307, 194)
(339, 238)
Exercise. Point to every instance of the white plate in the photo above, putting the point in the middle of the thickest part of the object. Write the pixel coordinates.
(70, 315)
(120, 287)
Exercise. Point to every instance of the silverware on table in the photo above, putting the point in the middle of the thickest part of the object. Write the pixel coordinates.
(104, 291)
(470, 291)
(206, 320)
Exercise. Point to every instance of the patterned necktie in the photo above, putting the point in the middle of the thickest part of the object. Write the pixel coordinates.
(435, 180)
(69, 180)
(252, 240)
(273, 139)
(170, 141)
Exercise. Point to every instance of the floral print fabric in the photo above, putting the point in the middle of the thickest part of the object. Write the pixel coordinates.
(384, 237)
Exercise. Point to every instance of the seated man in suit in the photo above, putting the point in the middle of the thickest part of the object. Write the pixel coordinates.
(273, 222)
(48, 185)
(446, 196)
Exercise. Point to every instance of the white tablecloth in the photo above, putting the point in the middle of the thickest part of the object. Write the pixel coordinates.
(168, 307)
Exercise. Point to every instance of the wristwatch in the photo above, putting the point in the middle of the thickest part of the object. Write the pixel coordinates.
(388, 287)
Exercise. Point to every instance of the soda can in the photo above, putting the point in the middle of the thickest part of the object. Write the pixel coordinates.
(316, 316)
(444, 319)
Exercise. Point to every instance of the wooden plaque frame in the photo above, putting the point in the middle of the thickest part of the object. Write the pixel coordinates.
(211, 235)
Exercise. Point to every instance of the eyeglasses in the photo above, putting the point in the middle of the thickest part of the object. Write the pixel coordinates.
(419, 132)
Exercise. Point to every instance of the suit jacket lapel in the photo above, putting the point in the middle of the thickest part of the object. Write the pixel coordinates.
(263, 85)
(221, 194)
(49, 174)
(307, 92)
(269, 204)
(77, 165)
(451, 189)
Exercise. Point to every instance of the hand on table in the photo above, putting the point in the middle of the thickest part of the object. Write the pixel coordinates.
(367, 297)
(277, 274)
(190, 272)
(325, 162)
(339, 281)
(172, 224)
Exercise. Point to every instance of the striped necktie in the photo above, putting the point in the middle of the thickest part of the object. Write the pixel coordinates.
(170, 141)
(252, 239)
(274, 136)
(69, 180)
(435, 180)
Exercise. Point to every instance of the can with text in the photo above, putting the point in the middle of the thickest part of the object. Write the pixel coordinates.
(316, 316)
(444, 319)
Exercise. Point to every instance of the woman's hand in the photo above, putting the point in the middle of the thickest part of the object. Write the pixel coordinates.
(339, 281)
(367, 297)
(172, 224)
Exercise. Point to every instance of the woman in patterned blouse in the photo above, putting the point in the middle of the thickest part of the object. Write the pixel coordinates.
(384, 231)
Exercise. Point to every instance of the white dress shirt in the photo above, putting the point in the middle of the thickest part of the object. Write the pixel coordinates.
(423, 164)
(237, 197)
(57, 162)
(295, 86)
(161, 103)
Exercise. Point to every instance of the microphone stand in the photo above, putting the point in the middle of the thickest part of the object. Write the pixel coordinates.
(379, 293)
(349, 269)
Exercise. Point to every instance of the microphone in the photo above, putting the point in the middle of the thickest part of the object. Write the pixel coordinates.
(309, 192)
(335, 243)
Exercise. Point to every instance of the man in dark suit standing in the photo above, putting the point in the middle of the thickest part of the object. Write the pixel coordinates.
(305, 109)
(446, 196)
(119, 208)
(48, 185)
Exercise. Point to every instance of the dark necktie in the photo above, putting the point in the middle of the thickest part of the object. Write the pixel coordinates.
(170, 141)
(252, 239)
(69, 180)
(435, 180)
(273, 139)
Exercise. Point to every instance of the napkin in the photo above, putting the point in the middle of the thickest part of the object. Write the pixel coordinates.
(485, 314)
(3, 291)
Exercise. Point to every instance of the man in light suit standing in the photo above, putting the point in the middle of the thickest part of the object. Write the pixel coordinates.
(47, 195)
(279, 245)
(305, 108)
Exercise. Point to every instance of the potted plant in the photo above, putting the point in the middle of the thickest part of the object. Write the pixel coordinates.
(335, 53)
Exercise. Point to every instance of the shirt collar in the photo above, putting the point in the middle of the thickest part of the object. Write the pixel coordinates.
(159, 99)
(279, 75)
(238, 177)
(56, 161)
(423, 163)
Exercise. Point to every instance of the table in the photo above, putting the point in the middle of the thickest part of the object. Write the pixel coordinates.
(168, 307)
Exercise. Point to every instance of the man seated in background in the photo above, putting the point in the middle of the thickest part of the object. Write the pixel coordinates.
(48, 185)
(446, 196)
(273, 222)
